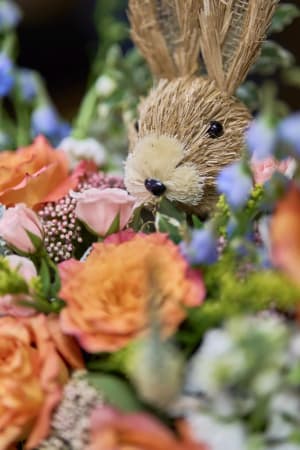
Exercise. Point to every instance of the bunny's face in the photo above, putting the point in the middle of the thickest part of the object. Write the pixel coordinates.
(187, 131)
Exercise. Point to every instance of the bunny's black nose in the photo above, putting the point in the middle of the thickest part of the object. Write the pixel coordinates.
(156, 187)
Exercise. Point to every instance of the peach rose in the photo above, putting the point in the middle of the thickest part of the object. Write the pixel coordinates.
(113, 430)
(34, 175)
(14, 225)
(285, 234)
(111, 296)
(32, 375)
(9, 303)
(98, 208)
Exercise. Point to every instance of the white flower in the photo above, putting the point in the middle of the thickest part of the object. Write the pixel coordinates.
(87, 149)
(267, 382)
(217, 435)
(103, 110)
(286, 403)
(105, 86)
(295, 347)
(216, 355)
(128, 117)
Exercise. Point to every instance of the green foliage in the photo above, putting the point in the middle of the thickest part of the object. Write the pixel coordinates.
(249, 94)
(116, 391)
(110, 30)
(273, 57)
(234, 287)
(169, 225)
(114, 112)
(285, 14)
(291, 76)
(11, 282)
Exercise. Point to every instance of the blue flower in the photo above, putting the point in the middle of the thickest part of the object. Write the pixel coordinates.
(235, 184)
(10, 15)
(261, 139)
(6, 75)
(46, 121)
(202, 249)
(289, 132)
(27, 84)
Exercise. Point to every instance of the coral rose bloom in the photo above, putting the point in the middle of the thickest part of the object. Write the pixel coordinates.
(112, 295)
(112, 430)
(31, 378)
(34, 174)
(285, 234)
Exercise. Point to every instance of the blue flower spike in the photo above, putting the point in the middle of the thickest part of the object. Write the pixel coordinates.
(202, 249)
(235, 184)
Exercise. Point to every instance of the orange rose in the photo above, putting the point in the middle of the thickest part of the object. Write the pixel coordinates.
(112, 295)
(32, 375)
(112, 430)
(34, 174)
(285, 234)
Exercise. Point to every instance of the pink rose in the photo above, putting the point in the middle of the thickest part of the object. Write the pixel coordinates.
(98, 208)
(263, 170)
(9, 303)
(14, 225)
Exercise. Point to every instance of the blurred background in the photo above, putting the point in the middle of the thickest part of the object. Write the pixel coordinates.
(59, 38)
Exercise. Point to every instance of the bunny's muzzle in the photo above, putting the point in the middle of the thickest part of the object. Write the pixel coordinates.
(156, 168)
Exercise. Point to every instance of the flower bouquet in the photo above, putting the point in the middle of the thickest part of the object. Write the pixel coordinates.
(123, 327)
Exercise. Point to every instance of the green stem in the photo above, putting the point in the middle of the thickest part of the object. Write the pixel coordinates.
(86, 113)
(23, 125)
(9, 45)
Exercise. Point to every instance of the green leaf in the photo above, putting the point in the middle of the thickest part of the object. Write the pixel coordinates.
(284, 16)
(39, 305)
(116, 391)
(115, 226)
(169, 225)
(197, 223)
(248, 94)
(169, 209)
(45, 278)
(56, 284)
(273, 57)
(291, 76)
(36, 240)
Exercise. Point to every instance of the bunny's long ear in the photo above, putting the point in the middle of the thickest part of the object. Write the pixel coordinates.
(231, 34)
(167, 34)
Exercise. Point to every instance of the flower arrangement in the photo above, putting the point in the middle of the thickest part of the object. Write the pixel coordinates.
(122, 327)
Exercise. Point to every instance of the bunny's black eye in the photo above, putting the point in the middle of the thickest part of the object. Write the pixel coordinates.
(215, 130)
(136, 126)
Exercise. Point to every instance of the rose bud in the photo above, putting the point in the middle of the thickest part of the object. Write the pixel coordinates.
(16, 223)
(10, 302)
(155, 369)
(99, 209)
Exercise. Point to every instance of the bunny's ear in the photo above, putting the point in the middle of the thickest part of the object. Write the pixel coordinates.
(167, 34)
(231, 34)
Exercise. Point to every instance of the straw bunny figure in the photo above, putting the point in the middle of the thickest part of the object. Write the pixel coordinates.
(190, 126)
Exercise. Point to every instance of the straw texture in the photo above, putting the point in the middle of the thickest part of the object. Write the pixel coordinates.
(167, 33)
(172, 143)
(183, 109)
